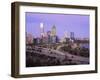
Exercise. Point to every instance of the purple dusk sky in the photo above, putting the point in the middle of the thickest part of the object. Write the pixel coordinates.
(79, 24)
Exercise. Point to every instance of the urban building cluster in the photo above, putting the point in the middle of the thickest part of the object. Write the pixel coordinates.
(45, 37)
(50, 37)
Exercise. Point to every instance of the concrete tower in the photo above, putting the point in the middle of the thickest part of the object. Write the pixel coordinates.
(72, 35)
(53, 31)
(41, 29)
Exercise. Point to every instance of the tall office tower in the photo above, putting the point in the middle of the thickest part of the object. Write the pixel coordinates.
(42, 29)
(49, 36)
(53, 31)
(72, 35)
(66, 34)
(48, 33)
(53, 34)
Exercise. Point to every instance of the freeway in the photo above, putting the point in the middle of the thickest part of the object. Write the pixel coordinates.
(61, 55)
(74, 58)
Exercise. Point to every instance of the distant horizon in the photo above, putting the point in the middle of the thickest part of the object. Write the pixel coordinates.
(79, 24)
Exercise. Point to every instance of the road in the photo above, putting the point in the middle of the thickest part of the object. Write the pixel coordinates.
(61, 55)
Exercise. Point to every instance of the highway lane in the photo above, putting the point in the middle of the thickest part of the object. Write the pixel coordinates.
(62, 55)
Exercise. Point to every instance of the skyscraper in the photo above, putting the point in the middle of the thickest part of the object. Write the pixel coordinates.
(53, 31)
(66, 34)
(49, 36)
(53, 34)
(72, 35)
(41, 29)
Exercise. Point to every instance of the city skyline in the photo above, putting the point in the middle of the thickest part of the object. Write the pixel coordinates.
(79, 24)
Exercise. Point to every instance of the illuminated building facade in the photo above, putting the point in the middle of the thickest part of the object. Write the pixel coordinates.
(53, 31)
(42, 30)
(53, 34)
